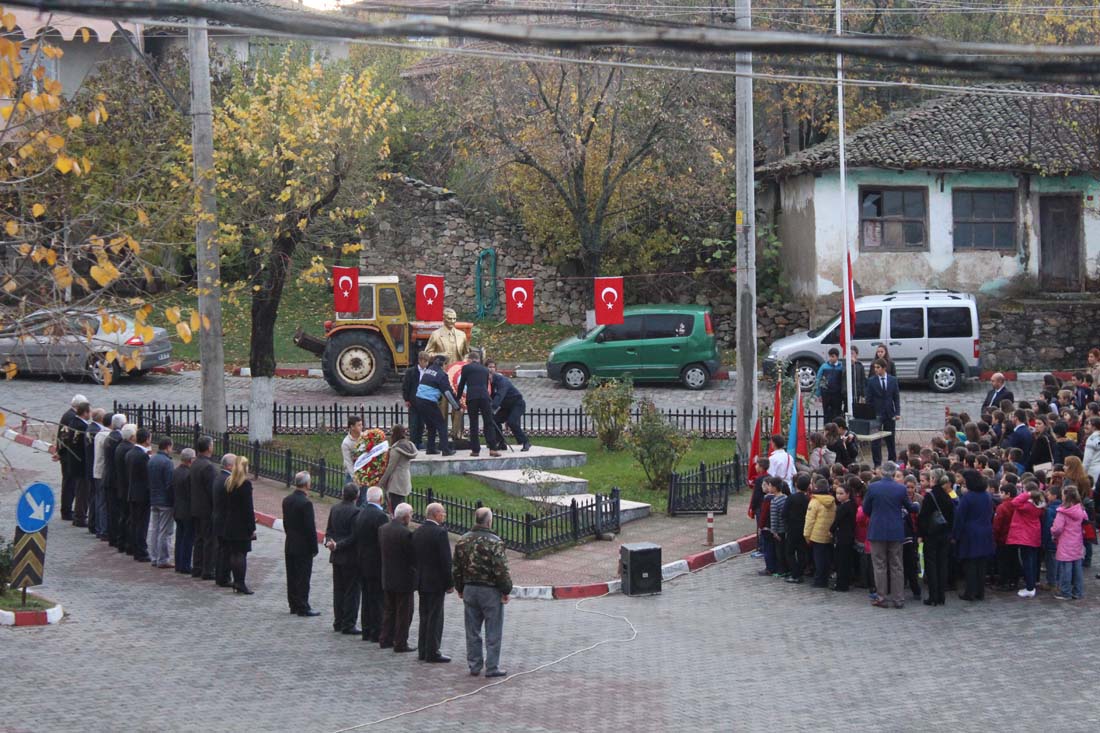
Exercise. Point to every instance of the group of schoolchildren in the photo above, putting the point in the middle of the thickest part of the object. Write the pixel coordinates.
(1032, 477)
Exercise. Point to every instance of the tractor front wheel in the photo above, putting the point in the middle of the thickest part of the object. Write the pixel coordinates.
(356, 362)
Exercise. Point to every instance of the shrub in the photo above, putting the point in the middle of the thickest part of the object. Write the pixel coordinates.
(7, 564)
(608, 402)
(657, 445)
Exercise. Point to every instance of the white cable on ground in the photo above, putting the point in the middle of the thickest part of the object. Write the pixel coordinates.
(633, 636)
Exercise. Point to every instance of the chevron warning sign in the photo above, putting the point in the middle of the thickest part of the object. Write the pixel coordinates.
(30, 558)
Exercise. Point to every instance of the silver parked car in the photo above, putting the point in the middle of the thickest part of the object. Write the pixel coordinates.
(931, 335)
(57, 342)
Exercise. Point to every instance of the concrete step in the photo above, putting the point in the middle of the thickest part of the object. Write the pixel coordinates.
(514, 460)
(628, 510)
(531, 482)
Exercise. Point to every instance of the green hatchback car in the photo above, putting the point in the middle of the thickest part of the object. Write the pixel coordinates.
(654, 343)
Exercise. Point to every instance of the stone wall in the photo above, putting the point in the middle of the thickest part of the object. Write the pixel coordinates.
(1038, 334)
(425, 229)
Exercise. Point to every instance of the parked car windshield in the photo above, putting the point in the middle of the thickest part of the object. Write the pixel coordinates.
(831, 323)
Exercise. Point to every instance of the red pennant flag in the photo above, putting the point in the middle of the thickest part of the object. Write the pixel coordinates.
(850, 331)
(802, 446)
(777, 409)
(754, 453)
(609, 301)
(345, 289)
(520, 300)
(429, 297)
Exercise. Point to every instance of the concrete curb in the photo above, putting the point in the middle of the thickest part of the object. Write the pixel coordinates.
(721, 375)
(174, 368)
(32, 618)
(287, 372)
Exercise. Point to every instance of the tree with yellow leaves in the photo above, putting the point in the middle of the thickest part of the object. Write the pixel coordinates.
(296, 143)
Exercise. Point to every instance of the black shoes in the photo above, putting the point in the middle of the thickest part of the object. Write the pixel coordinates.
(496, 673)
(431, 452)
(309, 614)
(243, 590)
(355, 630)
(438, 659)
(404, 649)
(448, 453)
(526, 447)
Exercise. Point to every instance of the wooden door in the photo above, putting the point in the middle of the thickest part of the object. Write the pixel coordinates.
(1060, 242)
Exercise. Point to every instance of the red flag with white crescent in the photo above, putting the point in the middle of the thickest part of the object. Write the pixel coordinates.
(609, 301)
(520, 300)
(345, 289)
(429, 297)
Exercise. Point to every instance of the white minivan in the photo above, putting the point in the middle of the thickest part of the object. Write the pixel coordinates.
(932, 335)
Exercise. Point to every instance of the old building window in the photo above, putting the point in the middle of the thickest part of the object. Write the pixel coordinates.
(984, 219)
(893, 219)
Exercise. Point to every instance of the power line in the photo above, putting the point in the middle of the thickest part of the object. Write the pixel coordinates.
(1063, 63)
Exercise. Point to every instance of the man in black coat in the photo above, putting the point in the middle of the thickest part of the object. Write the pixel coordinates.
(218, 508)
(340, 541)
(203, 473)
(884, 396)
(300, 548)
(80, 469)
(62, 441)
(474, 381)
(997, 395)
(181, 511)
(372, 517)
(110, 496)
(410, 380)
(794, 514)
(137, 470)
(433, 580)
(120, 491)
(398, 580)
(509, 406)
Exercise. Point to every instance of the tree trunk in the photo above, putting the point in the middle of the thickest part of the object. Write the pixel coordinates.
(265, 307)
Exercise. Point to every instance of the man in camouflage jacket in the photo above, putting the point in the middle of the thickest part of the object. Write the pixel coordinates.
(482, 581)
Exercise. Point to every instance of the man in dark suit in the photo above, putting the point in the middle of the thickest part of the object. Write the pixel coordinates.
(300, 548)
(218, 507)
(398, 580)
(509, 406)
(110, 495)
(340, 541)
(120, 490)
(372, 517)
(203, 473)
(433, 579)
(61, 442)
(181, 510)
(887, 506)
(80, 469)
(883, 394)
(998, 394)
(410, 380)
(474, 381)
(137, 471)
(1019, 437)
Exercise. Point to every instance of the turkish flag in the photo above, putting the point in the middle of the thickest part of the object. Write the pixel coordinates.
(429, 297)
(609, 301)
(345, 289)
(849, 295)
(520, 294)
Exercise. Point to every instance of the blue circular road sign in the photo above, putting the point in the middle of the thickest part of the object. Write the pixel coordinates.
(35, 508)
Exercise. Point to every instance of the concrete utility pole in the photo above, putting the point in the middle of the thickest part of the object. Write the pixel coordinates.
(745, 219)
(207, 251)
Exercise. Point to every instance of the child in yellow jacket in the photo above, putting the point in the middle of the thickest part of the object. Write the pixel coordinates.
(819, 520)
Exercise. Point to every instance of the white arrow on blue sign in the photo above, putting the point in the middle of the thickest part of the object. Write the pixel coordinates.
(35, 508)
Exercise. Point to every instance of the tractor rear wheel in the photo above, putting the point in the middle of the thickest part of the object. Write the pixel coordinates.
(356, 362)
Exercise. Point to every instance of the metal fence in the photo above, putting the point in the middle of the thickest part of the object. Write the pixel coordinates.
(568, 422)
(528, 533)
(706, 489)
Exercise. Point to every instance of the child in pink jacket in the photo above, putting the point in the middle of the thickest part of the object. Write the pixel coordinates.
(1068, 533)
(1026, 533)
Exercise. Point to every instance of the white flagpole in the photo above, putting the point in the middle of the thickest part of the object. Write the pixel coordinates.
(846, 295)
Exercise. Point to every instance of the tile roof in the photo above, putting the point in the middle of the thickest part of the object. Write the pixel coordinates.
(976, 131)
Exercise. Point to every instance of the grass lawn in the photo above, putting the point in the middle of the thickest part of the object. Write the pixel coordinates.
(603, 471)
(11, 601)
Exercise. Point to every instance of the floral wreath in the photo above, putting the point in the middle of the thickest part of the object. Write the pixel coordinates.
(370, 473)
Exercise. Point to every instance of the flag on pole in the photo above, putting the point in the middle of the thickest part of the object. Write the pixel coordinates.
(797, 445)
(848, 327)
(777, 409)
(754, 453)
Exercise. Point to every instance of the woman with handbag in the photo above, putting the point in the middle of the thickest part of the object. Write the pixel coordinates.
(934, 522)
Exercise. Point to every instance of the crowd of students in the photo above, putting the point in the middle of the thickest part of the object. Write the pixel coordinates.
(1003, 499)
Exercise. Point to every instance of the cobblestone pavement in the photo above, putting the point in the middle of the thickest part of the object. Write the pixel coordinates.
(47, 398)
(145, 649)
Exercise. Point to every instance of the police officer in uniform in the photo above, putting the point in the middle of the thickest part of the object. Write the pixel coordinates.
(482, 581)
(474, 381)
(433, 385)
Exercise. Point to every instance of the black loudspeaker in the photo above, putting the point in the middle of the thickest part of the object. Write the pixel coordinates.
(640, 568)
